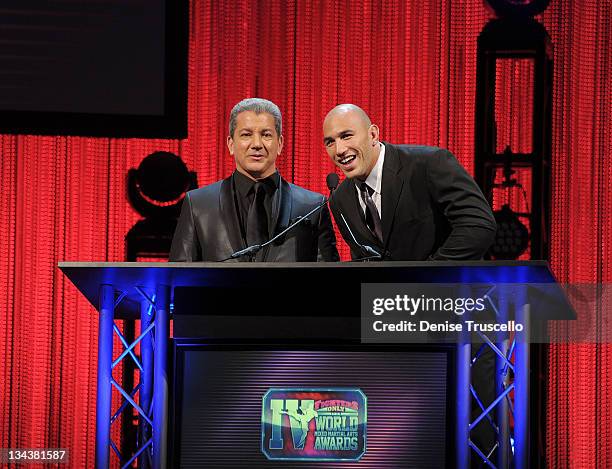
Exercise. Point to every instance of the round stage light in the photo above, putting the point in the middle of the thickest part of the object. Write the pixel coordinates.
(162, 177)
(157, 187)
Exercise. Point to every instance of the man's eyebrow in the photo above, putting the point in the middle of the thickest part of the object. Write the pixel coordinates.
(340, 134)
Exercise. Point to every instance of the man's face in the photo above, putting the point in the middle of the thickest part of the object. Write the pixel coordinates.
(351, 143)
(255, 144)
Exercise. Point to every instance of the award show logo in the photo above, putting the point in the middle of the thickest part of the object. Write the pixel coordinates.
(314, 424)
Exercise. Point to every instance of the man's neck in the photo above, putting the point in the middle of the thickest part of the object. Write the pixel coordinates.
(375, 160)
(256, 177)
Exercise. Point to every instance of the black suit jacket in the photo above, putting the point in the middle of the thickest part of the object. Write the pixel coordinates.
(431, 209)
(208, 228)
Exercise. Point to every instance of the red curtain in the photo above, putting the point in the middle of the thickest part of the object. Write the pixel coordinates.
(579, 406)
(411, 65)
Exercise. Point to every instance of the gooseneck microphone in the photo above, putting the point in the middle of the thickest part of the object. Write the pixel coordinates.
(332, 181)
(369, 250)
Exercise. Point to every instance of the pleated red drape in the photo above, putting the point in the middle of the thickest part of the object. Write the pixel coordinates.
(580, 386)
(412, 66)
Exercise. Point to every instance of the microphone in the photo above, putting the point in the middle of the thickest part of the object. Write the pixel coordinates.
(332, 181)
(372, 253)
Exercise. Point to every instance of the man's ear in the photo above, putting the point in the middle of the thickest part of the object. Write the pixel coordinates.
(230, 144)
(280, 144)
(374, 134)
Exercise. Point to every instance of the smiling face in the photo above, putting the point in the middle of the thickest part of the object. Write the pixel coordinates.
(255, 144)
(351, 141)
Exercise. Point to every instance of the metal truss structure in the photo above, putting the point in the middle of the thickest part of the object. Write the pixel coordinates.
(507, 415)
(149, 396)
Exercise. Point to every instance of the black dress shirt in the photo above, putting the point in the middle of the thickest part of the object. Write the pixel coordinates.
(244, 194)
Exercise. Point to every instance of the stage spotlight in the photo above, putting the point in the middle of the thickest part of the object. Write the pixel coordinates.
(512, 237)
(157, 187)
(156, 190)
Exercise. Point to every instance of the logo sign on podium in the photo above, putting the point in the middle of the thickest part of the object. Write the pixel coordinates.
(314, 424)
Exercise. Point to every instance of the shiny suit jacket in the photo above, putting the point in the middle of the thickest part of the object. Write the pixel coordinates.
(431, 209)
(208, 228)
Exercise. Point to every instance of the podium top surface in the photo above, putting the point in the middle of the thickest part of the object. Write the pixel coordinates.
(343, 278)
(174, 274)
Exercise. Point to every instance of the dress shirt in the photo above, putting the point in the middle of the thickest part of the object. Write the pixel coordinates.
(244, 194)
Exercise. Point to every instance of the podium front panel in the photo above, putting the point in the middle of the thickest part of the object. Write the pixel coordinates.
(218, 392)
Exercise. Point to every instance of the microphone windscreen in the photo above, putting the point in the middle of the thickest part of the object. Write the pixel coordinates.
(332, 181)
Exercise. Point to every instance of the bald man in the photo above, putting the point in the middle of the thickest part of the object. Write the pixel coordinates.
(407, 202)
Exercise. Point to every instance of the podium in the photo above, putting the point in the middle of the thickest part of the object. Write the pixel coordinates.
(217, 302)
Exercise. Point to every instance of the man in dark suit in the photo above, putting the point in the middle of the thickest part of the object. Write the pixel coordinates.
(407, 202)
(255, 202)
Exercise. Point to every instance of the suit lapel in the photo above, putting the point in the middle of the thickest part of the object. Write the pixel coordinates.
(227, 208)
(392, 186)
(281, 214)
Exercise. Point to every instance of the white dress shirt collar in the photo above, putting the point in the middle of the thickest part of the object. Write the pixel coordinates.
(374, 179)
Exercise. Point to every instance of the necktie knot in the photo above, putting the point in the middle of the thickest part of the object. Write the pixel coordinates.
(259, 189)
(365, 189)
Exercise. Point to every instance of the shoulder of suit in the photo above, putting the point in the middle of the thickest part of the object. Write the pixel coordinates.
(202, 193)
(303, 194)
(415, 150)
(341, 194)
(419, 155)
(344, 186)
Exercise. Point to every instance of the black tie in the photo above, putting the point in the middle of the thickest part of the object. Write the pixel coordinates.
(257, 218)
(371, 212)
